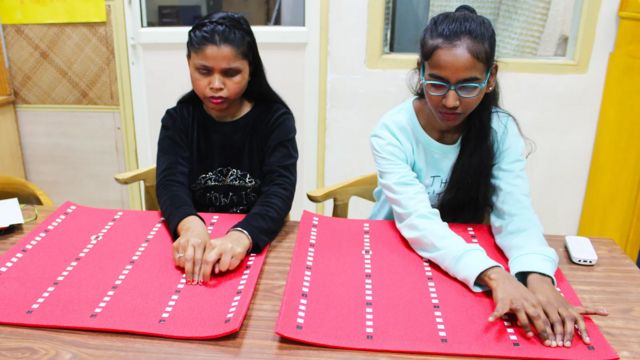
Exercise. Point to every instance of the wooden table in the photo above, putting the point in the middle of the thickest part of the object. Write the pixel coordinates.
(614, 283)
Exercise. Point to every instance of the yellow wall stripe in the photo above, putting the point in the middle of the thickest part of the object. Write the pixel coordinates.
(5, 86)
(125, 96)
(322, 101)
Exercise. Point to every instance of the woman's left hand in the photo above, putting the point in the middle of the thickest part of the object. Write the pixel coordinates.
(563, 316)
(224, 254)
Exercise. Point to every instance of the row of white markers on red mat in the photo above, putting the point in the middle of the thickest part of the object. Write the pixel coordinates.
(93, 240)
(127, 268)
(511, 333)
(306, 279)
(175, 296)
(368, 282)
(36, 240)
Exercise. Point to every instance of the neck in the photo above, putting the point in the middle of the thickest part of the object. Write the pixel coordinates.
(232, 113)
(443, 136)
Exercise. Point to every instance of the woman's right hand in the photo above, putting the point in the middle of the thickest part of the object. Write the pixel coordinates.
(189, 248)
(510, 296)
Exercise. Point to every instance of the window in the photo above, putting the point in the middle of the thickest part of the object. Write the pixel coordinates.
(403, 24)
(532, 35)
(524, 28)
(187, 12)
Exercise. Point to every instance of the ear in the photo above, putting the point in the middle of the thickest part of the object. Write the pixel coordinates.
(493, 78)
(419, 65)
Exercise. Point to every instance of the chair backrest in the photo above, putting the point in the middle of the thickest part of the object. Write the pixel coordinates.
(148, 178)
(26, 192)
(341, 193)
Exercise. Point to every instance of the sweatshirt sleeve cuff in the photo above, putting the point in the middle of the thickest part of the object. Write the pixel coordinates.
(471, 265)
(538, 263)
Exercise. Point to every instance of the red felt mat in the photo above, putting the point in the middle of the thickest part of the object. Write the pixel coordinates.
(357, 284)
(112, 270)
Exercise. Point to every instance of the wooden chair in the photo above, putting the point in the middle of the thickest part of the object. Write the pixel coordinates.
(26, 191)
(148, 178)
(341, 193)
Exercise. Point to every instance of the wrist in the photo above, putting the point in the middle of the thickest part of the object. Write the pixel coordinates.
(245, 235)
(490, 277)
(534, 278)
(192, 224)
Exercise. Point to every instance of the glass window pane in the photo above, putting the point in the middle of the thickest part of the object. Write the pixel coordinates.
(407, 18)
(187, 12)
(524, 28)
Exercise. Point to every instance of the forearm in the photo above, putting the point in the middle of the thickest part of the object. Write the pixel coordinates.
(417, 220)
(267, 217)
(515, 225)
(172, 174)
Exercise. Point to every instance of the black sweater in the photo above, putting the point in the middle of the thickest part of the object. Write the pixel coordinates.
(244, 166)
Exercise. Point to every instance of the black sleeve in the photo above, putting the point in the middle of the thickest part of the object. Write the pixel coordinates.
(267, 216)
(172, 172)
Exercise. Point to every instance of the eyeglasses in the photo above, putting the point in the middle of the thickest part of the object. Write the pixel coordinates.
(465, 90)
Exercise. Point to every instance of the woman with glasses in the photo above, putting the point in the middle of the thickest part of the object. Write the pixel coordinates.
(450, 154)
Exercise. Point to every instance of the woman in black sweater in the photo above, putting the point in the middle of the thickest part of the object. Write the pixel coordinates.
(227, 146)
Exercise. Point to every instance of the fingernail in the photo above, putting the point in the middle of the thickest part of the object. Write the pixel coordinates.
(547, 342)
(529, 334)
(567, 344)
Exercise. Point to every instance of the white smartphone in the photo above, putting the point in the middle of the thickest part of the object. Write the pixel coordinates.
(580, 250)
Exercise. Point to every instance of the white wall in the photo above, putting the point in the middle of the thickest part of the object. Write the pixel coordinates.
(72, 155)
(558, 112)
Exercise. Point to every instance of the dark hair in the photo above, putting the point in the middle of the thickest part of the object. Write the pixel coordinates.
(467, 197)
(232, 29)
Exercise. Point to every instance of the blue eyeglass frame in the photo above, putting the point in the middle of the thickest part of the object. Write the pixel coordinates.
(453, 87)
